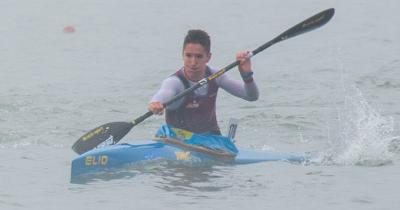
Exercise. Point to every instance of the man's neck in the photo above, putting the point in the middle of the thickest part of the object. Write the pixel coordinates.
(195, 77)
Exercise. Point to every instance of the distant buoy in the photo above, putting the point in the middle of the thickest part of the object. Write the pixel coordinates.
(69, 30)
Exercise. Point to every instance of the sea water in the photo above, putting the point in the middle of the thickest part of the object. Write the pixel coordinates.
(332, 94)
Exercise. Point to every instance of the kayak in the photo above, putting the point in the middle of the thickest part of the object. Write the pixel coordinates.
(117, 156)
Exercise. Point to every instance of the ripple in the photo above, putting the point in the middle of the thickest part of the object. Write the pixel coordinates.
(384, 78)
(8, 108)
(394, 145)
(11, 204)
(362, 200)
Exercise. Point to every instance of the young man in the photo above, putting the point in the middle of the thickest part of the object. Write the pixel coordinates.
(196, 112)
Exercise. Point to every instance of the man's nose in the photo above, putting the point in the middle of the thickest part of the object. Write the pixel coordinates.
(193, 59)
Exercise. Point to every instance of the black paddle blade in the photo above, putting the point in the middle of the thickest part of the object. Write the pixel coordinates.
(110, 132)
(311, 23)
(307, 25)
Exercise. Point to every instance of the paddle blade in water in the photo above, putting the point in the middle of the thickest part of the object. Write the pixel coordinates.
(109, 133)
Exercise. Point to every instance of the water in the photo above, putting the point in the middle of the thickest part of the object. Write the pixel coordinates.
(332, 93)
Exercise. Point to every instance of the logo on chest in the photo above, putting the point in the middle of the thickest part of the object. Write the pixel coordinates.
(192, 105)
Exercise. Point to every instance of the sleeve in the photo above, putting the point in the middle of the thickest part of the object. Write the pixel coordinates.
(246, 91)
(170, 87)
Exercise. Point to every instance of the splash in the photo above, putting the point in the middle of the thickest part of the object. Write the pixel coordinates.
(362, 135)
(365, 136)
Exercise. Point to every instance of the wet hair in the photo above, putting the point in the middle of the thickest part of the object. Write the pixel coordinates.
(197, 36)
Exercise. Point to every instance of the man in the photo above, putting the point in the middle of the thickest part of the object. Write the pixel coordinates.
(196, 112)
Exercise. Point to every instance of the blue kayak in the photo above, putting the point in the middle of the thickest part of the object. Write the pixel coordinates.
(119, 155)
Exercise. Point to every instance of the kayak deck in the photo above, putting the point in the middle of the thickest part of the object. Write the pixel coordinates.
(119, 155)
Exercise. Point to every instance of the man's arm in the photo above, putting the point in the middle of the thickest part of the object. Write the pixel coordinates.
(170, 87)
(247, 89)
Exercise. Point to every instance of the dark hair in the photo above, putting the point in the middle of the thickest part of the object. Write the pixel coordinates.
(198, 37)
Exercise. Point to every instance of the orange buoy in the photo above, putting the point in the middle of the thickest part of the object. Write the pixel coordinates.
(69, 30)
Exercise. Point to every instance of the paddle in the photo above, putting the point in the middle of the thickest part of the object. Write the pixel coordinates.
(115, 131)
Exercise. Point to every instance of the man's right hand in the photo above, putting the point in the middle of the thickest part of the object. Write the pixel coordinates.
(156, 107)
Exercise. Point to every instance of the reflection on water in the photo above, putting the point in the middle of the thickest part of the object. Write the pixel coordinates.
(167, 175)
(179, 178)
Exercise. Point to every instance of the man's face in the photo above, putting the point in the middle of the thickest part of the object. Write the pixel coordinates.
(195, 60)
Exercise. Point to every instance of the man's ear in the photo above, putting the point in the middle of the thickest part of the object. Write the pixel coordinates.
(209, 57)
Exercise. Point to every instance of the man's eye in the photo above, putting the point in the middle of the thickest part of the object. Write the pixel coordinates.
(197, 56)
